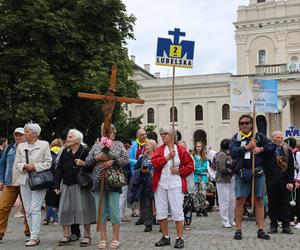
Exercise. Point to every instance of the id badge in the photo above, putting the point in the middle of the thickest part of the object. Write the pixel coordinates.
(247, 155)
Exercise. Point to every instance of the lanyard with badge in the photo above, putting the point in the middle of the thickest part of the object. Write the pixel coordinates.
(247, 155)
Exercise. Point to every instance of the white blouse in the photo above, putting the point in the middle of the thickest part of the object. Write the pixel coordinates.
(168, 180)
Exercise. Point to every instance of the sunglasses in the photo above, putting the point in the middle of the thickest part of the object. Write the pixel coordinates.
(244, 123)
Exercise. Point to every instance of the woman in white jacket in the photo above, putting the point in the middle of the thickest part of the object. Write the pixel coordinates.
(39, 159)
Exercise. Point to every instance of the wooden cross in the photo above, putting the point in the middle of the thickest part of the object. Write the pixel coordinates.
(108, 109)
(110, 101)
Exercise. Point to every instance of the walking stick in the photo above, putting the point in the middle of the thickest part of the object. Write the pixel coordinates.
(253, 164)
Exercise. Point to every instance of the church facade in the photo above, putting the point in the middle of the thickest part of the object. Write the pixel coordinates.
(267, 35)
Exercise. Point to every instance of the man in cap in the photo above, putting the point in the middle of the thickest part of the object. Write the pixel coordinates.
(10, 189)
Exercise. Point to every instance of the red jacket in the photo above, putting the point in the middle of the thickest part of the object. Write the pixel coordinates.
(186, 166)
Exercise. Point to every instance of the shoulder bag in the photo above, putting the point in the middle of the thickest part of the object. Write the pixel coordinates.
(115, 178)
(85, 179)
(39, 180)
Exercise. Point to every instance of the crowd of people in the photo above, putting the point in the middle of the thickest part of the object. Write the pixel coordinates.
(168, 182)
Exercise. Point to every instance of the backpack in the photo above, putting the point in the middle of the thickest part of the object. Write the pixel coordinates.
(228, 163)
(283, 160)
(213, 163)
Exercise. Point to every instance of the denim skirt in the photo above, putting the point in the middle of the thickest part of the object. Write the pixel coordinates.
(244, 189)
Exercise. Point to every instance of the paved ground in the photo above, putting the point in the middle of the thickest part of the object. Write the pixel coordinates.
(206, 233)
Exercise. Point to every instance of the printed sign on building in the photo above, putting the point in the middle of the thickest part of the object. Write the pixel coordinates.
(241, 95)
(265, 95)
(178, 54)
(244, 92)
(292, 132)
(293, 66)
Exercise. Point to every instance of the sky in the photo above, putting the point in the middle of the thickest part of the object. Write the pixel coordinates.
(208, 23)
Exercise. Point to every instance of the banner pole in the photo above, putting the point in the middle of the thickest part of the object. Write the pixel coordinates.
(253, 162)
(173, 109)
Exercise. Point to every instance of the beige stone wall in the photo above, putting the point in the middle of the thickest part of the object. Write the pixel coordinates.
(273, 26)
(209, 91)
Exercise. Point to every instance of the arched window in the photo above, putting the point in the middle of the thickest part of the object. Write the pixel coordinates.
(175, 114)
(294, 59)
(262, 57)
(225, 112)
(198, 113)
(150, 115)
(200, 135)
(179, 136)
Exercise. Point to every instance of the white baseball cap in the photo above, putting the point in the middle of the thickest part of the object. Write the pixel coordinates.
(19, 130)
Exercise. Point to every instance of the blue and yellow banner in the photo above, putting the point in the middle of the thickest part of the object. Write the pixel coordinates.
(178, 54)
(265, 95)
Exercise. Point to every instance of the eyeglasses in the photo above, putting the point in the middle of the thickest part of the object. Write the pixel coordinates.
(163, 134)
(244, 123)
(143, 134)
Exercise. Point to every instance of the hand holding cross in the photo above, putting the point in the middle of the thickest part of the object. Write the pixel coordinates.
(107, 110)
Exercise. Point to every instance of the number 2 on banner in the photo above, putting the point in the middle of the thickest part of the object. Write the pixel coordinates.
(175, 51)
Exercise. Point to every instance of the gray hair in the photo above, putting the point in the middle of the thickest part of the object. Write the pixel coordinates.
(77, 134)
(169, 130)
(34, 127)
(276, 133)
(182, 143)
(113, 129)
(152, 143)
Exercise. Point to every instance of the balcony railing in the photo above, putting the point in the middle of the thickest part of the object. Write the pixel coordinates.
(271, 69)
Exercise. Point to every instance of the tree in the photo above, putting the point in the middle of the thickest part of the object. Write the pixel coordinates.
(52, 49)
(127, 127)
(151, 133)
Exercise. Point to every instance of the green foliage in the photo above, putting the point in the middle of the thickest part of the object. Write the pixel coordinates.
(150, 132)
(127, 127)
(52, 49)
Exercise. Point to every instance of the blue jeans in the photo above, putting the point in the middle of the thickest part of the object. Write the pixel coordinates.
(51, 213)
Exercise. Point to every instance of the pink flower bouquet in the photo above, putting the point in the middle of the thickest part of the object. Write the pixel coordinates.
(106, 144)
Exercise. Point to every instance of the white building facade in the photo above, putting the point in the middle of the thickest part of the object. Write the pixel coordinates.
(268, 46)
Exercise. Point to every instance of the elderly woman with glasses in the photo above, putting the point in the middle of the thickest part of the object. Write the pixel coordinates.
(40, 159)
(172, 164)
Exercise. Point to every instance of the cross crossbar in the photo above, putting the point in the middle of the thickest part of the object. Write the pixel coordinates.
(110, 98)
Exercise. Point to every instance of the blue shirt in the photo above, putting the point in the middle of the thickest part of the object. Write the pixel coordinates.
(200, 169)
(6, 165)
(237, 151)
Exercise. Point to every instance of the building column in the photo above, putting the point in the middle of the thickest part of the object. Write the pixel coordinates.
(211, 125)
(187, 118)
(286, 114)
